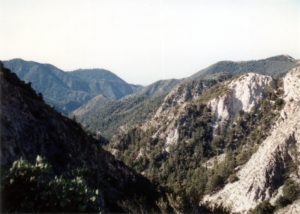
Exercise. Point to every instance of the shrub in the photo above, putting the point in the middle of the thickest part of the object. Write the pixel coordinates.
(35, 188)
(217, 181)
(291, 192)
(233, 178)
(263, 208)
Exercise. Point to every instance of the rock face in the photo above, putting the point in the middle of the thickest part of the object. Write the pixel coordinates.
(168, 113)
(261, 176)
(243, 93)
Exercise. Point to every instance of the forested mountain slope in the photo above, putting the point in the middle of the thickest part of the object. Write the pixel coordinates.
(107, 116)
(231, 142)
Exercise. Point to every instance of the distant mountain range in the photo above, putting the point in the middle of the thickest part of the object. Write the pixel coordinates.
(67, 91)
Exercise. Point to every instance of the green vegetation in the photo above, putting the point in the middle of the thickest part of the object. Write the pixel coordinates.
(213, 92)
(263, 208)
(29, 187)
(112, 115)
(291, 192)
(183, 171)
(108, 117)
(275, 66)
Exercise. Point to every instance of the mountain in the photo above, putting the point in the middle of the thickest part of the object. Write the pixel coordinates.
(67, 91)
(106, 116)
(228, 143)
(225, 140)
(277, 159)
(105, 83)
(30, 129)
(273, 66)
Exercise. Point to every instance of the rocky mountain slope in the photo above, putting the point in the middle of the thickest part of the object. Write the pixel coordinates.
(229, 140)
(261, 177)
(107, 116)
(67, 91)
(29, 128)
(241, 94)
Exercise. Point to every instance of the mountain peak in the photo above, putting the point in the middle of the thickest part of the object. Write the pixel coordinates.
(282, 57)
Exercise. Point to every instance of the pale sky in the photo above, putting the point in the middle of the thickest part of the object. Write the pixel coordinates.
(146, 40)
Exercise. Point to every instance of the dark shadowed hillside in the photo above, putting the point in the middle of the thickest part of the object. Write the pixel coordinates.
(29, 128)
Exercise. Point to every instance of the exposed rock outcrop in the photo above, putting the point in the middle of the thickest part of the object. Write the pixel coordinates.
(261, 176)
(243, 93)
(171, 109)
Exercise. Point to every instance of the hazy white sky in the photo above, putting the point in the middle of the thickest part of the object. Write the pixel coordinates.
(146, 40)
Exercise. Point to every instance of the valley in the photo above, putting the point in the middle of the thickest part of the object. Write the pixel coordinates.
(224, 140)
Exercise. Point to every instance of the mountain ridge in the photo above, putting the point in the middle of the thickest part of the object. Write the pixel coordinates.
(69, 90)
(274, 66)
(262, 66)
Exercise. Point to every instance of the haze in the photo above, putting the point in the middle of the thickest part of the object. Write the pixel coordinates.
(146, 40)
